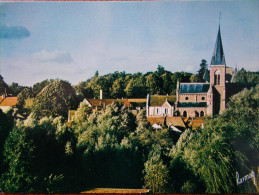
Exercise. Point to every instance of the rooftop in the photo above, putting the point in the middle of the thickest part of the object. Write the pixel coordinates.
(121, 191)
(170, 121)
(156, 120)
(158, 100)
(194, 87)
(9, 101)
(175, 121)
(218, 57)
(105, 102)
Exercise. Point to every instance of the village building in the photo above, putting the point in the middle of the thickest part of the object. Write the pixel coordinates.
(194, 101)
(208, 98)
(133, 105)
(160, 105)
(7, 103)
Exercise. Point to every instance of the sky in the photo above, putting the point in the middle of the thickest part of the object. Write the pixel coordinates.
(72, 40)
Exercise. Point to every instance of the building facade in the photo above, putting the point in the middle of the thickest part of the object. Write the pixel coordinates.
(209, 98)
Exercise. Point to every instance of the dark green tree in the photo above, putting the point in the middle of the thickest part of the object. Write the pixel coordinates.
(6, 125)
(154, 84)
(118, 88)
(55, 99)
(16, 88)
(4, 87)
(39, 86)
(203, 66)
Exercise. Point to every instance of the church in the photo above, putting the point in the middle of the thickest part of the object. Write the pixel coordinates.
(200, 99)
(209, 98)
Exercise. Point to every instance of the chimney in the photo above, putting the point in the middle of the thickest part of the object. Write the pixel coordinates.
(101, 94)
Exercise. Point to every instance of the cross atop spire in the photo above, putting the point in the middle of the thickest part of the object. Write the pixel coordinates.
(218, 57)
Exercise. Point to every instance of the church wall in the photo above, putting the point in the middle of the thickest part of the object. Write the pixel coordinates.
(191, 111)
(192, 97)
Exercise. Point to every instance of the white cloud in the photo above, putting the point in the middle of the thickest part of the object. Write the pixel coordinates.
(56, 56)
(42, 65)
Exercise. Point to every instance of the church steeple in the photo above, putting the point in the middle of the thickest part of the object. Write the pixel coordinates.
(218, 57)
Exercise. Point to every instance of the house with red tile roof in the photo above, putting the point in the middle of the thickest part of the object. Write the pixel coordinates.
(7, 103)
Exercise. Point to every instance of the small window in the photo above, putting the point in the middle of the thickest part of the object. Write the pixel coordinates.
(202, 113)
(166, 111)
(186, 98)
(184, 114)
(196, 114)
(157, 111)
(202, 98)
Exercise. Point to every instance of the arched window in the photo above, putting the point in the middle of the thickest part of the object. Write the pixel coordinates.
(196, 114)
(184, 114)
(217, 77)
(202, 113)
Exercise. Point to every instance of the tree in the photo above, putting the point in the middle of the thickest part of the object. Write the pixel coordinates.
(229, 143)
(167, 83)
(6, 125)
(156, 174)
(25, 95)
(203, 66)
(110, 127)
(107, 159)
(16, 88)
(32, 163)
(243, 76)
(96, 74)
(39, 86)
(4, 87)
(55, 99)
(118, 88)
(217, 170)
(154, 84)
(160, 71)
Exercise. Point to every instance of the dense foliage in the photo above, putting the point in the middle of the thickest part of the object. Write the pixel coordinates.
(122, 85)
(243, 76)
(113, 148)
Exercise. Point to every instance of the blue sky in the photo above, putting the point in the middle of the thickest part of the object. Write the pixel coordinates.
(71, 40)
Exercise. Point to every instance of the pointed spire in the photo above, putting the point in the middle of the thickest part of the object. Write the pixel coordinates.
(218, 57)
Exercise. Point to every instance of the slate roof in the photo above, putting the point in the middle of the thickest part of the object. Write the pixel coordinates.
(194, 87)
(218, 57)
(192, 104)
(158, 100)
(9, 101)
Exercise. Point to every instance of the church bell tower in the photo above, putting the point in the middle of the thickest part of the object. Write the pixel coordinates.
(218, 76)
